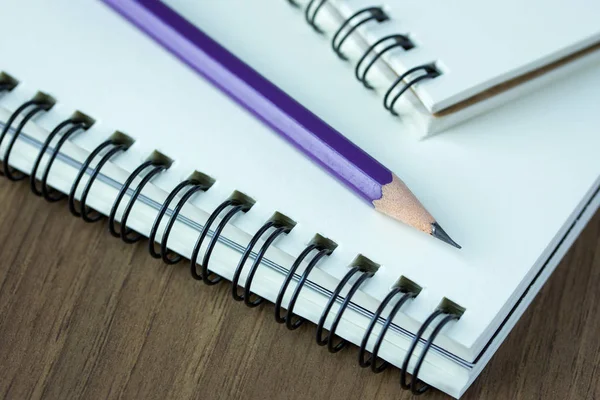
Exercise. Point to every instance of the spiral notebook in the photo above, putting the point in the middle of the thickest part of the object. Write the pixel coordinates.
(460, 59)
(515, 187)
(473, 55)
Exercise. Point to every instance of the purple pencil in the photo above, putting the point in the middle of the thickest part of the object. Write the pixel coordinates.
(368, 178)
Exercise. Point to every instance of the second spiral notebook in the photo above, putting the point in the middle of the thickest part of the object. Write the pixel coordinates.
(94, 113)
(433, 63)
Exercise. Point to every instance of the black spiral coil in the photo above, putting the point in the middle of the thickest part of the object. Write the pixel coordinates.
(235, 207)
(348, 28)
(329, 339)
(68, 128)
(372, 360)
(310, 12)
(414, 383)
(289, 320)
(277, 229)
(272, 229)
(114, 146)
(27, 111)
(193, 186)
(427, 72)
(394, 41)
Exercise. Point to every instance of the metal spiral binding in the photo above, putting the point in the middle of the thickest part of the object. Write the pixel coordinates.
(398, 41)
(125, 233)
(70, 127)
(329, 339)
(235, 206)
(279, 227)
(370, 14)
(29, 109)
(310, 13)
(372, 360)
(193, 186)
(429, 72)
(349, 26)
(116, 144)
(323, 248)
(237, 203)
(413, 385)
(290, 322)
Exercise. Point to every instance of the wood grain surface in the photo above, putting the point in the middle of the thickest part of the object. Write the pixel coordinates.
(83, 315)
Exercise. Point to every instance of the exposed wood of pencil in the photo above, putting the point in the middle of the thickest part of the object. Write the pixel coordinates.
(398, 202)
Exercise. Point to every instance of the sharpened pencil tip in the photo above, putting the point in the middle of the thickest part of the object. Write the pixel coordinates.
(438, 233)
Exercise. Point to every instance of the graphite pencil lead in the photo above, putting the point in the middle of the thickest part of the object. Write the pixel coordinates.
(438, 233)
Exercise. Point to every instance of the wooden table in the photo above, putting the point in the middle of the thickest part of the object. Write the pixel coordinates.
(83, 315)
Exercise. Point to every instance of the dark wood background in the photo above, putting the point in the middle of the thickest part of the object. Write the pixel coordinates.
(83, 315)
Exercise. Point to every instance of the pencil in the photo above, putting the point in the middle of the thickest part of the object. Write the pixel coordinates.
(368, 178)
